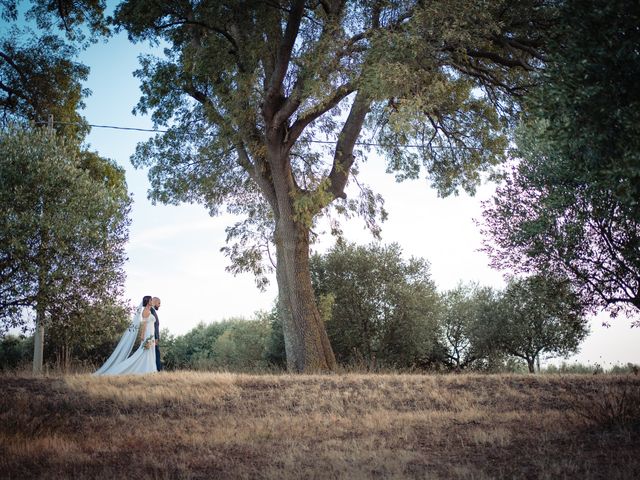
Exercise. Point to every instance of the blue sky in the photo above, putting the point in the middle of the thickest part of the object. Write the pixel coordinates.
(174, 251)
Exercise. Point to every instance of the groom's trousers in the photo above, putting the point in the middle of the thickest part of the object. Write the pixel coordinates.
(158, 362)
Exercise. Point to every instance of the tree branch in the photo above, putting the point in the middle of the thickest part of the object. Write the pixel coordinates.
(283, 56)
(499, 59)
(291, 104)
(12, 91)
(343, 157)
(258, 172)
(15, 66)
(318, 110)
(205, 101)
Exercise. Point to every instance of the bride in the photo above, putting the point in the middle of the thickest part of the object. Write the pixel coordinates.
(143, 359)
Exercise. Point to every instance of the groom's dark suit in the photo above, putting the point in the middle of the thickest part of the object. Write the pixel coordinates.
(156, 335)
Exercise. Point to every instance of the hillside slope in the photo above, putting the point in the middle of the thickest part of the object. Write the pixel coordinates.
(206, 425)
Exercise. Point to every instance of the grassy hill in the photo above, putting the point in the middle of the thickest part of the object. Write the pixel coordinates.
(207, 425)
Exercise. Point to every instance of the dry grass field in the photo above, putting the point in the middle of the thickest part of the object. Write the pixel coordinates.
(216, 426)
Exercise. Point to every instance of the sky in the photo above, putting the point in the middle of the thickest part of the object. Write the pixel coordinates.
(174, 251)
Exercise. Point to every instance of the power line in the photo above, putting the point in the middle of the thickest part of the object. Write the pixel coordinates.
(326, 142)
(114, 127)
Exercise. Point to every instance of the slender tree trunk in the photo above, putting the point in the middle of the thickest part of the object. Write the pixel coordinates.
(42, 265)
(531, 363)
(38, 340)
(64, 362)
(305, 336)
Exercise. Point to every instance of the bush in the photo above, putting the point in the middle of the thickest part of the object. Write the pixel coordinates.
(234, 344)
(609, 406)
(574, 368)
(629, 368)
(15, 351)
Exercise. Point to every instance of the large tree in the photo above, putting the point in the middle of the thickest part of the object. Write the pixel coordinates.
(572, 205)
(247, 89)
(63, 229)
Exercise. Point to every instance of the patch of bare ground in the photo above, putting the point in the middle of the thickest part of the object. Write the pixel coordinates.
(187, 425)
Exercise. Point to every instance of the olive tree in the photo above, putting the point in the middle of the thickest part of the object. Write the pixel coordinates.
(381, 310)
(465, 316)
(539, 315)
(571, 205)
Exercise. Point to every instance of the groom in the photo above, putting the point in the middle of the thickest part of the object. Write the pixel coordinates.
(155, 305)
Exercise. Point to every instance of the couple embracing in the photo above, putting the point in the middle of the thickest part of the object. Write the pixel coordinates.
(146, 359)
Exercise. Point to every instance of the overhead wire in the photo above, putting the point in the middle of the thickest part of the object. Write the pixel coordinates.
(326, 142)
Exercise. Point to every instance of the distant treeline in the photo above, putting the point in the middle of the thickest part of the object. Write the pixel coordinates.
(382, 313)
(242, 345)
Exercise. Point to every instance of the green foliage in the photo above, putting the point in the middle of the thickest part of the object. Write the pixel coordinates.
(40, 78)
(72, 17)
(38, 74)
(15, 351)
(591, 98)
(63, 231)
(589, 369)
(465, 314)
(275, 353)
(380, 309)
(234, 344)
(236, 89)
(574, 368)
(179, 352)
(538, 316)
(571, 205)
(629, 368)
(85, 335)
(242, 345)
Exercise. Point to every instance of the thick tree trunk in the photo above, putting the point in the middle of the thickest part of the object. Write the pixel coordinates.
(531, 363)
(306, 340)
(305, 337)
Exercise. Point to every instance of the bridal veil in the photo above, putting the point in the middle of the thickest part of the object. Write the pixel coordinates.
(124, 347)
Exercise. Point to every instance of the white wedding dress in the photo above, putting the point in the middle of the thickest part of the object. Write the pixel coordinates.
(143, 360)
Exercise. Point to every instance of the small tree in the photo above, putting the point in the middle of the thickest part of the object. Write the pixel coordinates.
(242, 345)
(382, 309)
(232, 344)
(539, 316)
(87, 333)
(465, 313)
(182, 351)
(62, 231)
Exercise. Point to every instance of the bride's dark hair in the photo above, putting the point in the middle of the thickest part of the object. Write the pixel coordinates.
(145, 300)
